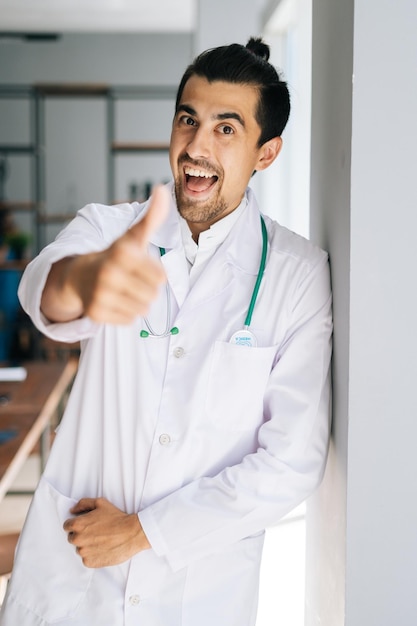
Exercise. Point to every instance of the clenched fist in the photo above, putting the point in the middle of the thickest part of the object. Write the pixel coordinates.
(115, 285)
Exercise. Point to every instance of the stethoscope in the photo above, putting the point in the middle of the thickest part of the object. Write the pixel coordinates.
(243, 337)
(168, 331)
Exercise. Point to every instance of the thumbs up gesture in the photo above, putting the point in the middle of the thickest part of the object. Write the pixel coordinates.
(115, 285)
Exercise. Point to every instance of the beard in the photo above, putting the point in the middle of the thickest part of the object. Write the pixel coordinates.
(199, 211)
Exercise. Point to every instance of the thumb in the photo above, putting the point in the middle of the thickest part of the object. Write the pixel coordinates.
(155, 216)
(85, 505)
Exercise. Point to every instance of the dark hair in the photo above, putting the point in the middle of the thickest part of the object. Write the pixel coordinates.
(246, 65)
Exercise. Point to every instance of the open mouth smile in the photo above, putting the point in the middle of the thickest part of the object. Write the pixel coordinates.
(198, 180)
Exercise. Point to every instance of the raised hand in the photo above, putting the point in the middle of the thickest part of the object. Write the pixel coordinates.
(112, 286)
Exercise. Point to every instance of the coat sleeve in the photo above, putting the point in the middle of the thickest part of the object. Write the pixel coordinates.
(206, 515)
(92, 230)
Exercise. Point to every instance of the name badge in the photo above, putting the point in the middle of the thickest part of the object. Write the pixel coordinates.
(244, 338)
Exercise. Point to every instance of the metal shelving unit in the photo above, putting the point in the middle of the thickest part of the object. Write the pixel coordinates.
(31, 149)
(36, 149)
(120, 93)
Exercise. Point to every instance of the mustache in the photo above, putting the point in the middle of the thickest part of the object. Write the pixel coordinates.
(203, 164)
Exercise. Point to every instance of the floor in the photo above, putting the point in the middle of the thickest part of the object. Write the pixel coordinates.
(281, 600)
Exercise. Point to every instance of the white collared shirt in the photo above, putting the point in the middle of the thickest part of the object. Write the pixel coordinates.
(209, 240)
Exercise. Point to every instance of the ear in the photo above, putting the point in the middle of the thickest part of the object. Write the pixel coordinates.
(268, 152)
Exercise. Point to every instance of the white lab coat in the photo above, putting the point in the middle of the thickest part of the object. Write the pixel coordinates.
(209, 442)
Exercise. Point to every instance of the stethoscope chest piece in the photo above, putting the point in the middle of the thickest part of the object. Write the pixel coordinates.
(244, 338)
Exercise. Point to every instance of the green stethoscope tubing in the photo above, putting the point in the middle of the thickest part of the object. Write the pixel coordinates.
(260, 274)
(175, 331)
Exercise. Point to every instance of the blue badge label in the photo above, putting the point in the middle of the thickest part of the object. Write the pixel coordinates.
(244, 338)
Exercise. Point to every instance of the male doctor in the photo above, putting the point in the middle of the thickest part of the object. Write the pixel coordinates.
(200, 412)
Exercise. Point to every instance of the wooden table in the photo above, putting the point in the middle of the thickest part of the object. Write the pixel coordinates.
(26, 414)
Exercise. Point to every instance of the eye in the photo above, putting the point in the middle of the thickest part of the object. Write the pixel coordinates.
(225, 129)
(187, 120)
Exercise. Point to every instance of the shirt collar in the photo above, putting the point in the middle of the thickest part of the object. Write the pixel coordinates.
(244, 245)
(213, 237)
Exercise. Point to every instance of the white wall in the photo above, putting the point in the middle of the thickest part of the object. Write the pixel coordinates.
(332, 49)
(362, 524)
(221, 22)
(382, 505)
(110, 58)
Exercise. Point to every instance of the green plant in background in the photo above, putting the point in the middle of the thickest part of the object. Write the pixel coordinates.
(17, 243)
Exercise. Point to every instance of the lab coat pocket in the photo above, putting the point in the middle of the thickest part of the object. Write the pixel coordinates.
(237, 381)
(48, 578)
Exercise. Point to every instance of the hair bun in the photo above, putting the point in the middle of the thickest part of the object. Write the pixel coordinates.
(258, 47)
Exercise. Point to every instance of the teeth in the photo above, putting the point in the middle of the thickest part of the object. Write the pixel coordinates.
(198, 173)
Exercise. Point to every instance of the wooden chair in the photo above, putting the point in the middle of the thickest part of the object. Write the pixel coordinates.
(7, 548)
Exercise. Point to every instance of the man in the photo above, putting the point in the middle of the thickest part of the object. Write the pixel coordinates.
(200, 412)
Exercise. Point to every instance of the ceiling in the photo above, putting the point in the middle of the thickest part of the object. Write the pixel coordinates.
(46, 16)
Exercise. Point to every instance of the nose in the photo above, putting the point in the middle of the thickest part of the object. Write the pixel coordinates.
(199, 145)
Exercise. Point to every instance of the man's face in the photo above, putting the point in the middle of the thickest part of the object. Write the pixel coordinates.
(214, 149)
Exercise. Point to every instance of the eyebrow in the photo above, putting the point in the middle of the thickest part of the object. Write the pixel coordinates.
(231, 115)
(227, 115)
(186, 109)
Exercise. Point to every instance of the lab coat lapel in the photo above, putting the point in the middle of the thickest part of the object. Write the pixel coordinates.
(168, 236)
(176, 269)
(239, 253)
(244, 244)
